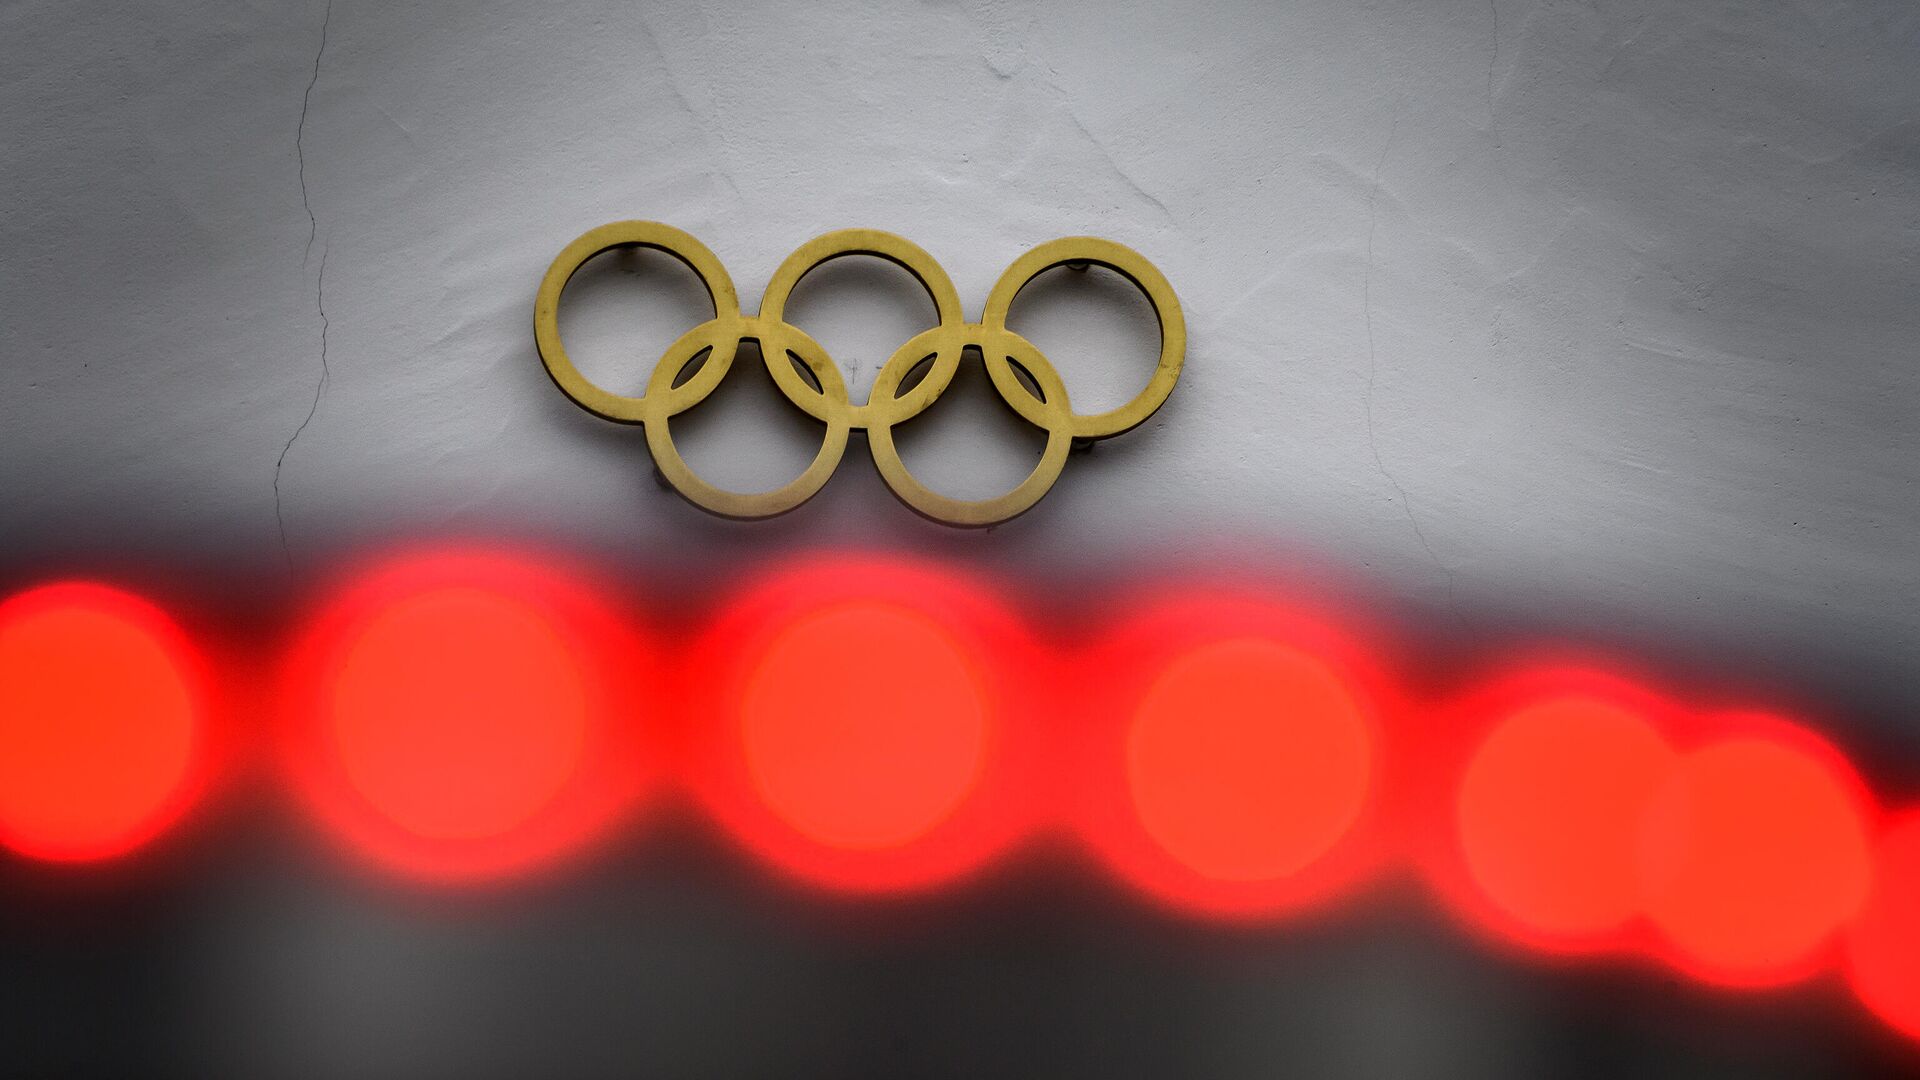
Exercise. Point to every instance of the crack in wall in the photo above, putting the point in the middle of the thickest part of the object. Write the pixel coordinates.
(1373, 370)
(1064, 101)
(300, 135)
(1493, 125)
(1113, 163)
(709, 126)
(319, 286)
(319, 389)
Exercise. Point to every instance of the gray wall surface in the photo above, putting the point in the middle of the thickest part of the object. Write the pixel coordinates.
(1591, 319)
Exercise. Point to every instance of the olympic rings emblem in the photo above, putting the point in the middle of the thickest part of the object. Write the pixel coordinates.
(810, 379)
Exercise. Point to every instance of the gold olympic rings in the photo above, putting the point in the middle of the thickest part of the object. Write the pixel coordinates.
(811, 380)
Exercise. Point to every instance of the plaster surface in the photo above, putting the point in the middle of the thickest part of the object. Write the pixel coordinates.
(1593, 319)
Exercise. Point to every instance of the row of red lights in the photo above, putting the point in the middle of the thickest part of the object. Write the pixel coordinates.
(873, 725)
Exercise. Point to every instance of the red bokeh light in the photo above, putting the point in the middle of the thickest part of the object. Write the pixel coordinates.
(865, 724)
(877, 725)
(1248, 760)
(1883, 942)
(1231, 755)
(1547, 814)
(452, 715)
(103, 736)
(826, 729)
(1533, 811)
(1755, 852)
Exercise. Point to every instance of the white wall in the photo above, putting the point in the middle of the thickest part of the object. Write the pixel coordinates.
(1591, 317)
(1601, 312)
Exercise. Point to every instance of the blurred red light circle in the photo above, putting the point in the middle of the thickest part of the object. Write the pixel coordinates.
(1548, 814)
(1528, 802)
(102, 722)
(1248, 760)
(854, 728)
(1883, 941)
(458, 712)
(864, 725)
(1755, 852)
(1232, 756)
(454, 715)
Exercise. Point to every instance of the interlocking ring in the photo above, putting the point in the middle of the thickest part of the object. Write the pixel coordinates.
(821, 392)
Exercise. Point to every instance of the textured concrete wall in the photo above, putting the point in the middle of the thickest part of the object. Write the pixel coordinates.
(1597, 318)
(1599, 310)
